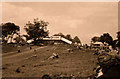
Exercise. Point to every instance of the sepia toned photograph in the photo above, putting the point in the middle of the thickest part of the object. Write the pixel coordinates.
(60, 40)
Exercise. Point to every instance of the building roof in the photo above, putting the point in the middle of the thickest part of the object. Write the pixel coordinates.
(98, 43)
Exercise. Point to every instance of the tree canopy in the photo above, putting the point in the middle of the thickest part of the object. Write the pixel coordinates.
(116, 43)
(59, 34)
(36, 29)
(118, 35)
(8, 30)
(95, 39)
(68, 36)
(106, 38)
(76, 39)
(19, 39)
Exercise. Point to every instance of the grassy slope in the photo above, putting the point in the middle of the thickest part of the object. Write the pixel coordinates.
(6, 48)
(78, 63)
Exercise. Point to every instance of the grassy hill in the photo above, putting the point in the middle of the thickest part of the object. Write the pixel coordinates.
(35, 62)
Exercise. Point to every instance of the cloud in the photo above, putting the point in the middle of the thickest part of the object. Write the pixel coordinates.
(83, 19)
(18, 15)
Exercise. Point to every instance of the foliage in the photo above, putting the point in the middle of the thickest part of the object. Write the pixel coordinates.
(59, 34)
(118, 35)
(76, 39)
(36, 29)
(19, 40)
(0, 34)
(95, 39)
(27, 37)
(68, 36)
(106, 38)
(116, 43)
(8, 31)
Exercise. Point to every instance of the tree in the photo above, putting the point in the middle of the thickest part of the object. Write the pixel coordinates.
(36, 29)
(118, 35)
(76, 39)
(0, 34)
(95, 39)
(27, 37)
(106, 38)
(116, 43)
(59, 34)
(68, 36)
(8, 31)
(19, 40)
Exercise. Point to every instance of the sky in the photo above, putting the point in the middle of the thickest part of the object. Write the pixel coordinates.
(82, 19)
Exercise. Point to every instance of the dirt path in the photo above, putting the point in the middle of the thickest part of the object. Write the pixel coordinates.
(16, 52)
(20, 56)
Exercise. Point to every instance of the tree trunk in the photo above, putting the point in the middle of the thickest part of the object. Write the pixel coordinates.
(11, 37)
(35, 41)
(7, 38)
